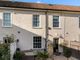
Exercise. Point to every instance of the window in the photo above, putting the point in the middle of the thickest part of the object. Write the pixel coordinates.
(79, 22)
(36, 21)
(55, 21)
(7, 19)
(37, 42)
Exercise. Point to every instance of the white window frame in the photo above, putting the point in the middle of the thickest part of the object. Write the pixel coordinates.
(39, 21)
(59, 21)
(3, 18)
(33, 42)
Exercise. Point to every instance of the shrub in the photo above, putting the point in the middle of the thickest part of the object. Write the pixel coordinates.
(4, 52)
(67, 52)
(18, 55)
(42, 55)
(9, 39)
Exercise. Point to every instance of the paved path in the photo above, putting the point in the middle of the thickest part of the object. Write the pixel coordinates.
(59, 58)
(62, 58)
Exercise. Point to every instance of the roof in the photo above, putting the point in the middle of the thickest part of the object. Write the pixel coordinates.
(27, 5)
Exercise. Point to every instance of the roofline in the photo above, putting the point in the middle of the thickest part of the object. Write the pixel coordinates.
(47, 9)
(41, 10)
(41, 6)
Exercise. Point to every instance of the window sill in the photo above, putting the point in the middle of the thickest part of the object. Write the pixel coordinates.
(38, 49)
(37, 27)
(57, 28)
(7, 26)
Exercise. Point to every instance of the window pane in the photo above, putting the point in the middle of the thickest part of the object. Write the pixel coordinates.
(35, 20)
(56, 17)
(55, 21)
(7, 24)
(7, 19)
(37, 42)
(56, 24)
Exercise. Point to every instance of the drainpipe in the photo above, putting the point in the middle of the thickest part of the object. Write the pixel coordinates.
(46, 30)
(64, 28)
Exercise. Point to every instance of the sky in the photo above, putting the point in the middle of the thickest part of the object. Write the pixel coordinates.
(60, 2)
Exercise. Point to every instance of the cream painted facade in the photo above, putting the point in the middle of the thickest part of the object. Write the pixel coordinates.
(22, 22)
(68, 30)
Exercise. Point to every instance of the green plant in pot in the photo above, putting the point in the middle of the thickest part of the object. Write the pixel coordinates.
(67, 52)
(42, 55)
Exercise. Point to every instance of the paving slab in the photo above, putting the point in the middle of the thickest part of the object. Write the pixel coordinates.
(59, 57)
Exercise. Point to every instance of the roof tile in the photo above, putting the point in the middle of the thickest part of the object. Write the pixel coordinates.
(39, 6)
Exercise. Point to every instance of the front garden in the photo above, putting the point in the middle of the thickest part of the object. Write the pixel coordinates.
(18, 55)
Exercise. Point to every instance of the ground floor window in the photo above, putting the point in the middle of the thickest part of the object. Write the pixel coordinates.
(37, 41)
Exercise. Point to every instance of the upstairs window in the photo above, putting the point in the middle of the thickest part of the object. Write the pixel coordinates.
(36, 22)
(37, 42)
(55, 21)
(6, 19)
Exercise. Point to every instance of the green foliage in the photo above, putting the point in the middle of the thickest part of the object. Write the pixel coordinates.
(42, 55)
(4, 52)
(5, 48)
(18, 55)
(10, 38)
(67, 52)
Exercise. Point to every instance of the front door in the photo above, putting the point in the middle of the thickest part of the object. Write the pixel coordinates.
(55, 45)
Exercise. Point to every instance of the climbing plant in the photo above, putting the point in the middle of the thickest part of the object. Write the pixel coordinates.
(5, 47)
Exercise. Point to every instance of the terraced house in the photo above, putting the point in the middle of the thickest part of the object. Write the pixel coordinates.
(36, 26)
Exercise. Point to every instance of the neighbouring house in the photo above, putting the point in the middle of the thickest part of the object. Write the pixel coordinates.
(37, 26)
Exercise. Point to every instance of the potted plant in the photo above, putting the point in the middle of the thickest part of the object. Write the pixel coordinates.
(67, 52)
(42, 55)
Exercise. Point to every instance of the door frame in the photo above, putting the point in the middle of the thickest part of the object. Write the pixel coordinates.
(55, 45)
